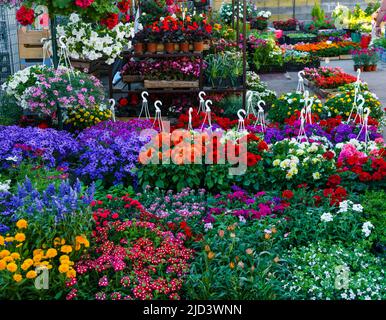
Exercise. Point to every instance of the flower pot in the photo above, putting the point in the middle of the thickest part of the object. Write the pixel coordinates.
(184, 47)
(138, 48)
(169, 47)
(374, 67)
(198, 46)
(358, 67)
(356, 37)
(367, 68)
(151, 47)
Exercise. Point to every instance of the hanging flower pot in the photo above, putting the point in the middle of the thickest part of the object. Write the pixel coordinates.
(184, 47)
(169, 47)
(198, 46)
(151, 47)
(138, 48)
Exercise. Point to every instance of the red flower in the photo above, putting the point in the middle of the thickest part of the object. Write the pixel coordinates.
(115, 216)
(333, 180)
(262, 146)
(124, 6)
(251, 159)
(123, 102)
(25, 16)
(287, 194)
(329, 155)
(84, 3)
(111, 21)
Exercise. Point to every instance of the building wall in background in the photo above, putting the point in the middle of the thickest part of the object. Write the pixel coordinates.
(282, 9)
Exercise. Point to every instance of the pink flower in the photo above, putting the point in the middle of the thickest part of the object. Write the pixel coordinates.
(83, 3)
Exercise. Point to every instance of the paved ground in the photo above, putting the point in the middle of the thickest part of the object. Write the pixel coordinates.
(376, 80)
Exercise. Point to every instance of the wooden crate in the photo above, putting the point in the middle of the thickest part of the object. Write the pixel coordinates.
(132, 78)
(173, 84)
(30, 46)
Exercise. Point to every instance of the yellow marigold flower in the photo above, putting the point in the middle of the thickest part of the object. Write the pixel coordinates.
(3, 265)
(64, 257)
(38, 252)
(8, 259)
(20, 237)
(1, 240)
(82, 240)
(31, 275)
(12, 267)
(63, 268)
(57, 241)
(17, 277)
(211, 255)
(232, 265)
(66, 249)
(4, 253)
(15, 256)
(22, 224)
(51, 253)
(38, 258)
(9, 239)
(71, 273)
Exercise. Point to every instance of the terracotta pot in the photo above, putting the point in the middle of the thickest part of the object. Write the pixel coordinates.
(358, 67)
(151, 47)
(169, 47)
(374, 67)
(367, 68)
(184, 47)
(138, 48)
(198, 46)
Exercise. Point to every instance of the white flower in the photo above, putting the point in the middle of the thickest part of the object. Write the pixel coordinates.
(357, 208)
(326, 217)
(5, 186)
(208, 226)
(242, 219)
(276, 162)
(14, 158)
(74, 18)
(316, 175)
(366, 228)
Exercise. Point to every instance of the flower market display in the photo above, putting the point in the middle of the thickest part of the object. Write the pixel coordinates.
(181, 175)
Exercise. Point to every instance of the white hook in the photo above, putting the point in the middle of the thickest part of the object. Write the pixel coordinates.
(241, 118)
(61, 42)
(261, 102)
(43, 40)
(207, 103)
(156, 105)
(358, 74)
(112, 103)
(362, 102)
(144, 93)
(301, 74)
(201, 94)
(306, 94)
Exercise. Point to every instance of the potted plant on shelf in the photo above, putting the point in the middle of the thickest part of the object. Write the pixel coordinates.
(260, 20)
(197, 33)
(138, 42)
(152, 36)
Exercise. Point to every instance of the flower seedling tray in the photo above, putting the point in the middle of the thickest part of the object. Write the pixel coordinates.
(170, 84)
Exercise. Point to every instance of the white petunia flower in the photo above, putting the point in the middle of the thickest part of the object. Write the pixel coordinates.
(326, 217)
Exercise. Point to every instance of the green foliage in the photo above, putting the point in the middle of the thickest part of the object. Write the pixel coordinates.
(317, 12)
(10, 111)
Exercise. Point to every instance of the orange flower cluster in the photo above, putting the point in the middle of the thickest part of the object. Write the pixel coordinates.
(320, 46)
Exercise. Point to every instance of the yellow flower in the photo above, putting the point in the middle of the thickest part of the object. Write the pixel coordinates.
(71, 273)
(8, 259)
(15, 256)
(31, 275)
(207, 248)
(211, 255)
(38, 252)
(12, 267)
(232, 265)
(17, 277)
(38, 258)
(64, 257)
(51, 253)
(63, 268)
(22, 224)
(9, 239)
(82, 240)
(20, 237)
(1, 240)
(4, 253)
(3, 265)
(66, 249)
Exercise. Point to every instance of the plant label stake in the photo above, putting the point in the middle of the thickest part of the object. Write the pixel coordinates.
(302, 131)
(364, 128)
(359, 109)
(190, 127)
(145, 106)
(207, 115)
(158, 117)
(261, 116)
(112, 108)
(241, 125)
(300, 88)
(201, 107)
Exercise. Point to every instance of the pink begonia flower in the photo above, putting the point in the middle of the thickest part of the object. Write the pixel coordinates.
(348, 151)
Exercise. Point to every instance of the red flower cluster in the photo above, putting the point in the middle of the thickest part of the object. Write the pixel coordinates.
(124, 6)
(287, 194)
(336, 195)
(110, 21)
(83, 3)
(25, 16)
(334, 81)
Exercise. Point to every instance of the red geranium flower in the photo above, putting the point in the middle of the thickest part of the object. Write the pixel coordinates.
(84, 3)
(124, 6)
(25, 16)
(287, 194)
(111, 21)
(333, 180)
